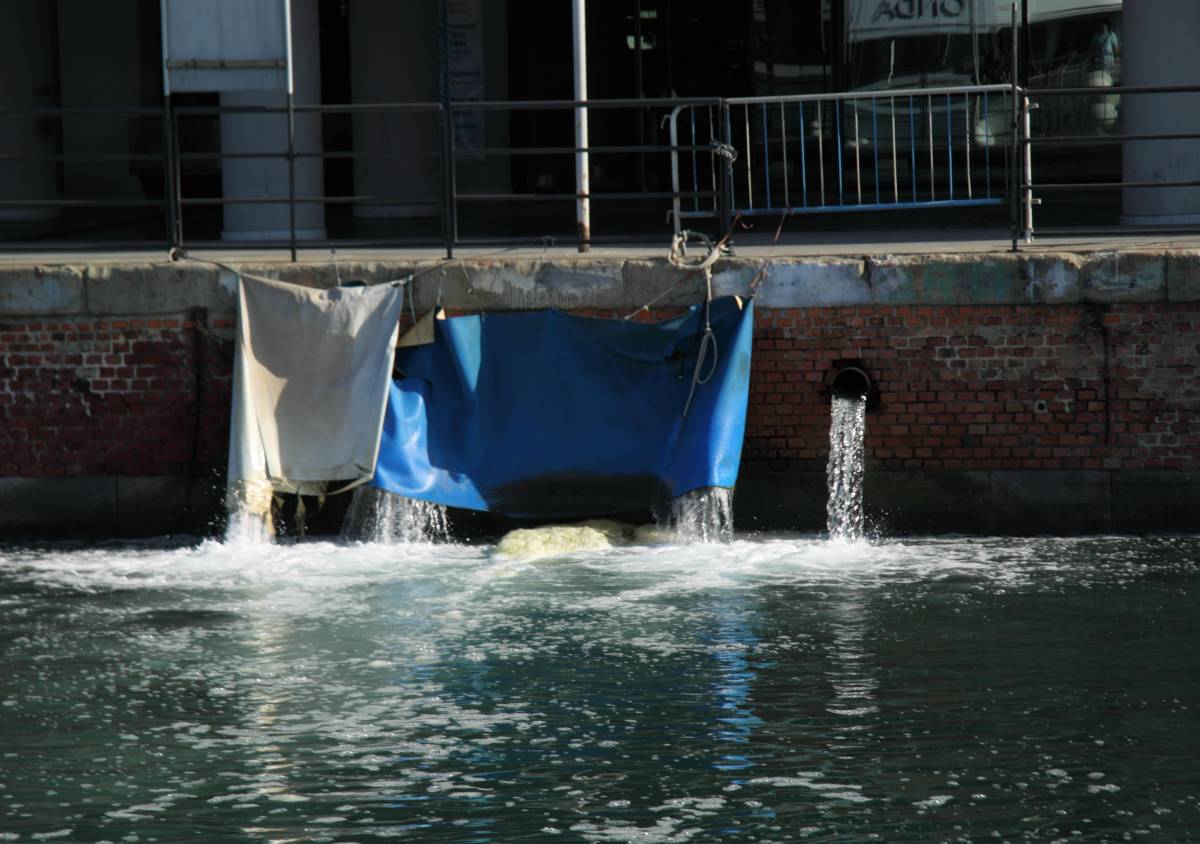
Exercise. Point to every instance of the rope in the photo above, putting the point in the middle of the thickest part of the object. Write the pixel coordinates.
(707, 341)
(677, 257)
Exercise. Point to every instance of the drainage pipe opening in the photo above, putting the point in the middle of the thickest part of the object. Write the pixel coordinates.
(851, 381)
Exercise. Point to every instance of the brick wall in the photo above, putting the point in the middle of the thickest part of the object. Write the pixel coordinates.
(977, 387)
(89, 396)
(987, 387)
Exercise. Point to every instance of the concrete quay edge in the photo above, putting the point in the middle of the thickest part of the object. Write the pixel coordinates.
(769, 498)
(619, 283)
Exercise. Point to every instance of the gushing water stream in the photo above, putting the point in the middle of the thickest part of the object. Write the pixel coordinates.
(703, 515)
(844, 474)
(376, 515)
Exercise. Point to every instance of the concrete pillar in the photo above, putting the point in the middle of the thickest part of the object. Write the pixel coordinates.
(27, 79)
(249, 133)
(89, 34)
(1160, 48)
(394, 59)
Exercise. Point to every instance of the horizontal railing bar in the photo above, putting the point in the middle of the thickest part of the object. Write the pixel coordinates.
(614, 148)
(1074, 231)
(226, 64)
(1108, 185)
(315, 245)
(563, 239)
(460, 106)
(283, 155)
(871, 95)
(352, 154)
(58, 111)
(349, 108)
(69, 245)
(564, 197)
(81, 156)
(873, 206)
(80, 203)
(538, 105)
(309, 200)
(1108, 90)
(1062, 139)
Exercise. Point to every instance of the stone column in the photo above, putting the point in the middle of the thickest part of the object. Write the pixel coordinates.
(394, 59)
(1159, 47)
(27, 79)
(249, 133)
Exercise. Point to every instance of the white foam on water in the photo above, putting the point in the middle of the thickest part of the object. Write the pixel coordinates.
(302, 576)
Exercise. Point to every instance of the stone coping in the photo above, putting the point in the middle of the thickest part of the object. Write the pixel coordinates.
(146, 289)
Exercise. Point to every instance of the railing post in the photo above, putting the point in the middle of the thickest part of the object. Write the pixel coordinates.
(177, 177)
(449, 207)
(726, 171)
(675, 202)
(291, 123)
(1027, 162)
(583, 191)
(1014, 138)
(449, 189)
(169, 164)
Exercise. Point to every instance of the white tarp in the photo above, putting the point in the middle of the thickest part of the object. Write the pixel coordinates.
(311, 377)
(878, 19)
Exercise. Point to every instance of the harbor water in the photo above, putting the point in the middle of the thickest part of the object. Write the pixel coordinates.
(776, 688)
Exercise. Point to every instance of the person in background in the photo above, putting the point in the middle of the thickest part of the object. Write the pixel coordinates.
(1104, 48)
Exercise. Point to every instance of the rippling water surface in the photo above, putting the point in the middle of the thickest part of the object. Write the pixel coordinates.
(774, 689)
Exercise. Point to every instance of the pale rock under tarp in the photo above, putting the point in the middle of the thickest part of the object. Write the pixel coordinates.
(311, 379)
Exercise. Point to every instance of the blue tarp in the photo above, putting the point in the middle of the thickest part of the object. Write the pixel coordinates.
(546, 414)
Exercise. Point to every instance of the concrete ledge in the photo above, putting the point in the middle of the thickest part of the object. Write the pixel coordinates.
(1183, 276)
(618, 283)
(927, 502)
(156, 289)
(41, 291)
(106, 506)
(1143, 501)
(1049, 502)
(780, 496)
(58, 507)
(770, 496)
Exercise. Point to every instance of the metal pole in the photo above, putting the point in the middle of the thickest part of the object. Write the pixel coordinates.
(726, 171)
(291, 118)
(177, 176)
(1014, 131)
(449, 208)
(640, 85)
(169, 172)
(1027, 45)
(583, 209)
(291, 121)
(1027, 149)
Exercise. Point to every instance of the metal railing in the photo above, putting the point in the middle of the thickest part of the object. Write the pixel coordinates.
(872, 151)
(40, 165)
(1107, 106)
(698, 157)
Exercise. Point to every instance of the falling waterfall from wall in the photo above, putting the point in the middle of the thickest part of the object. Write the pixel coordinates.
(844, 474)
(248, 505)
(703, 515)
(376, 515)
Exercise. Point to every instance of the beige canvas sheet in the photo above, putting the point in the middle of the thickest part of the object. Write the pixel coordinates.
(311, 379)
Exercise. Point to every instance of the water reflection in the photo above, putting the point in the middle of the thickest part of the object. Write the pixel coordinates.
(851, 672)
(772, 689)
(733, 644)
